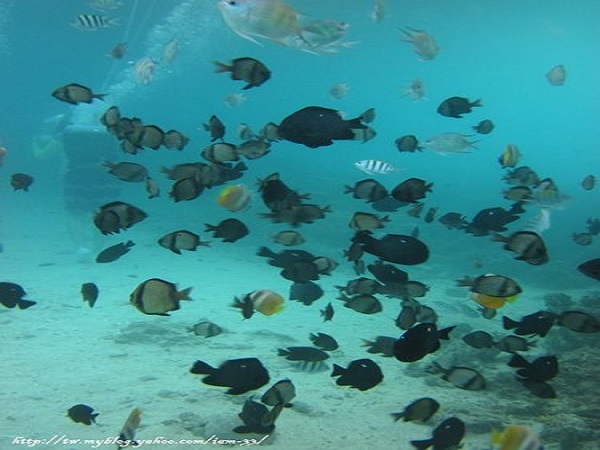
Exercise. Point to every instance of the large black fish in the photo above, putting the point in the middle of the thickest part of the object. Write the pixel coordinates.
(419, 341)
(11, 295)
(447, 435)
(361, 374)
(493, 219)
(394, 248)
(239, 375)
(315, 126)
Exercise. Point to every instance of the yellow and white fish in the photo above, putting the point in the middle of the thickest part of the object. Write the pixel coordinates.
(268, 19)
(516, 437)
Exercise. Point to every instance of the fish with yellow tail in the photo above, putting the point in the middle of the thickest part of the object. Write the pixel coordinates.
(267, 19)
(235, 198)
(516, 437)
(263, 301)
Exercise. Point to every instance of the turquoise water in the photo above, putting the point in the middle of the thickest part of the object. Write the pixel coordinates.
(496, 51)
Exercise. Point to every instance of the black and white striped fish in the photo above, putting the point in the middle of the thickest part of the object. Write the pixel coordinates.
(375, 167)
(93, 22)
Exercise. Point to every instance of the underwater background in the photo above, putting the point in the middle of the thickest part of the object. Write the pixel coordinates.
(60, 352)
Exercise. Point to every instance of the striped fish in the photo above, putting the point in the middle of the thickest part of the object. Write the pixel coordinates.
(375, 167)
(93, 22)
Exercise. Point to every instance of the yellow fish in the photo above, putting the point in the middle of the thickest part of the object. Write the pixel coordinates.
(490, 301)
(234, 198)
(516, 437)
(268, 19)
(266, 302)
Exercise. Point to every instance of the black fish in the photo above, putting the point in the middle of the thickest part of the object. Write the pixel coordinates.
(311, 354)
(394, 248)
(114, 252)
(306, 292)
(300, 271)
(543, 368)
(215, 127)
(324, 341)
(484, 127)
(327, 312)
(411, 190)
(315, 126)
(591, 268)
(89, 292)
(420, 410)
(537, 323)
(446, 436)
(276, 195)
(538, 388)
(11, 295)
(21, 181)
(493, 219)
(82, 414)
(456, 107)
(419, 341)
(257, 418)
(230, 230)
(239, 375)
(361, 374)
(245, 305)
(408, 143)
(386, 273)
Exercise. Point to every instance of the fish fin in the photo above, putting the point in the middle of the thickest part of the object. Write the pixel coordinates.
(508, 323)
(202, 368)
(445, 333)
(24, 304)
(185, 294)
(222, 67)
(337, 370)
(422, 445)
(518, 361)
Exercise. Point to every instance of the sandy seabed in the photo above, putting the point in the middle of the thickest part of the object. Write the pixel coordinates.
(61, 352)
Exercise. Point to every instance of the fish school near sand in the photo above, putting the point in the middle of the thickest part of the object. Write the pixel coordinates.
(285, 215)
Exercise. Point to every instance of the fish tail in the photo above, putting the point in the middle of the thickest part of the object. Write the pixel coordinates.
(337, 370)
(185, 294)
(221, 67)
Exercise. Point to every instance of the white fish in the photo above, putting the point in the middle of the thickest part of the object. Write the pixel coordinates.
(423, 43)
(143, 70)
(540, 222)
(415, 90)
(449, 143)
(93, 22)
(557, 75)
(170, 51)
(375, 167)
(267, 19)
(378, 11)
(339, 90)
(234, 99)
(105, 5)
